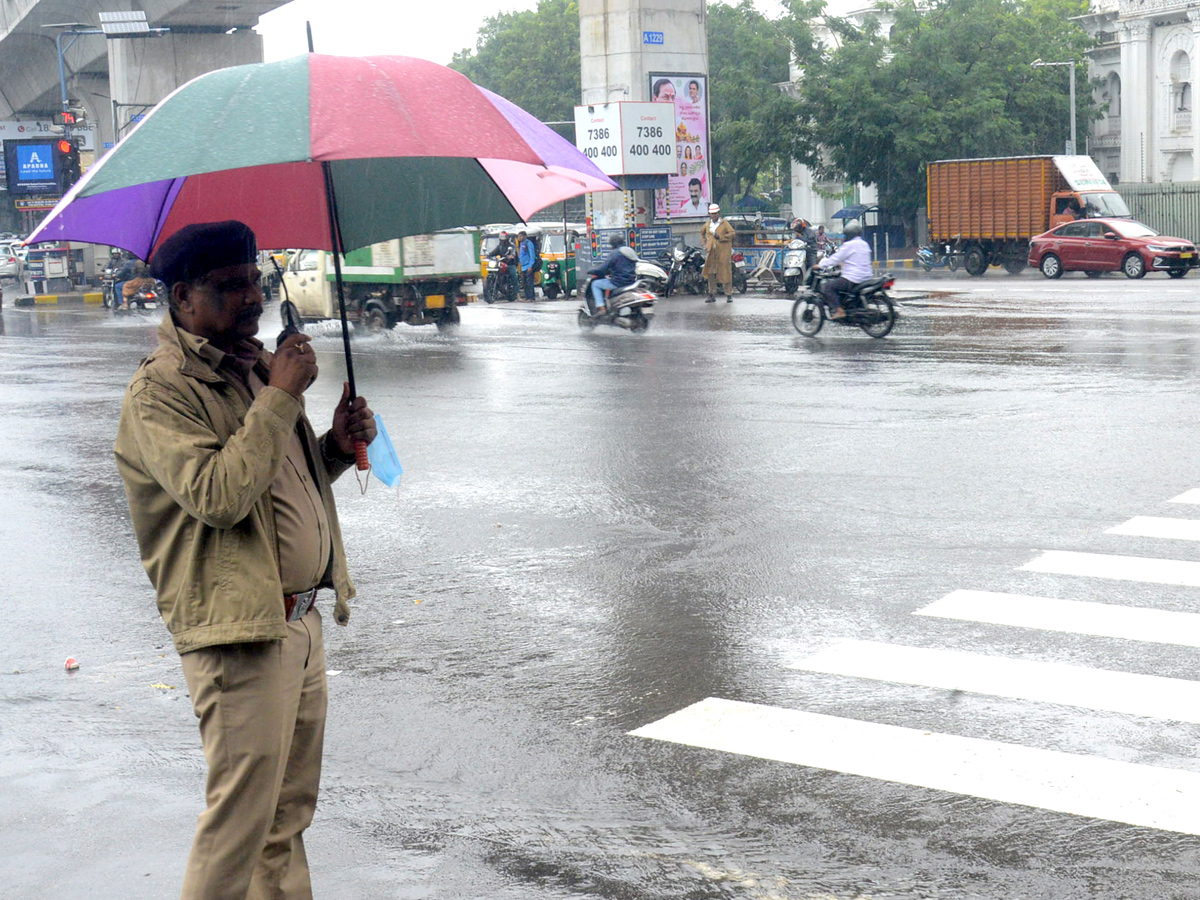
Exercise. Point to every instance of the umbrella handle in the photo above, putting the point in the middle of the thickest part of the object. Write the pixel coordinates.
(360, 456)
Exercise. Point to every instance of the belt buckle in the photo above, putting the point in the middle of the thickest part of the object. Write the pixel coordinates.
(297, 605)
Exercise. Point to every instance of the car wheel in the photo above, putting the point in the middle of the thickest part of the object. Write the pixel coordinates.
(1051, 266)
(1133, 266)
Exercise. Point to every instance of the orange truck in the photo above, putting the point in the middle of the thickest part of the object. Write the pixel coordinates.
(986, 210)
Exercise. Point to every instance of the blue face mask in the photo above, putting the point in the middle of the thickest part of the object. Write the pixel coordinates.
(385, 464)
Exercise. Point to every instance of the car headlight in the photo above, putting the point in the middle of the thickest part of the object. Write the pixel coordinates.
(1161, 248)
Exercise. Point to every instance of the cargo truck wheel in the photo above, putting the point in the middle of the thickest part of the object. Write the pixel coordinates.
(1177, 273)
(1093, 273)
(1051, 266)
(449, 318)
(1133, 266)
(1014, 266)
(375, 317)
(975, 261)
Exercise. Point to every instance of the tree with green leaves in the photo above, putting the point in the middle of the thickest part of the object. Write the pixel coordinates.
(530, 58)
(950, 80)
(751, 119)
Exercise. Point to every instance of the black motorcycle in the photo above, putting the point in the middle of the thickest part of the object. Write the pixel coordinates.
(627, 307)
(867, 305)
(499, 284)
(687, 263)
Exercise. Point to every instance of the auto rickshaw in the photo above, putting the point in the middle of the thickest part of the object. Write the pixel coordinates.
(558, 258)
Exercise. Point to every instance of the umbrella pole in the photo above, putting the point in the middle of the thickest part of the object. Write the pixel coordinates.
(335, 241)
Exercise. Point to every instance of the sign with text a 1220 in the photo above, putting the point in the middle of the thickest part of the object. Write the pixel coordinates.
(627, 138)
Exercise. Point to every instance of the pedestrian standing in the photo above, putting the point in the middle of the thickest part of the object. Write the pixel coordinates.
(718, 247)
(229, 493)
(527, 258)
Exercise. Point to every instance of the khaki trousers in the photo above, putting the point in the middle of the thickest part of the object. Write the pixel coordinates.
(261, 708)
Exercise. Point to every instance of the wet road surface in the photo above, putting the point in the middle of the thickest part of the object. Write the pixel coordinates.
(708, 534)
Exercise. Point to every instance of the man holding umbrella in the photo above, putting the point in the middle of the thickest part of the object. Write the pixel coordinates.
(229, 493)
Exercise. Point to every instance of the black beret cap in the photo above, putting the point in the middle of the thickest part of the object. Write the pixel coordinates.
(196, 250)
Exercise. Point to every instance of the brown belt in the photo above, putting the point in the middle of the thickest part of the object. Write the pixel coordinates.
(296, 605)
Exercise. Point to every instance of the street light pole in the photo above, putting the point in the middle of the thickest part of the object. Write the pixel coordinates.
(1037, 63)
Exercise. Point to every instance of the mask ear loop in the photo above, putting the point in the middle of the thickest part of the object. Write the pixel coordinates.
(363, 476)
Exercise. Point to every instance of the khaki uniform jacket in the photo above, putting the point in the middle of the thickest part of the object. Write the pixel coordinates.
(719, 249)
(198, 466)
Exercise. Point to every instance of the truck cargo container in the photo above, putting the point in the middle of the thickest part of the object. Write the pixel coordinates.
(986, 210)
(417, 280)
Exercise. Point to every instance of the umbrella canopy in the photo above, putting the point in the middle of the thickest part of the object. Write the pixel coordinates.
(850, 212)
(410, 147)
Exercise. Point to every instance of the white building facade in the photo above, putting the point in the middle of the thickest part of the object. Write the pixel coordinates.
(1144, 64)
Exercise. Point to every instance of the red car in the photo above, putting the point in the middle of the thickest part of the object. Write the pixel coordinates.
(1096, 246)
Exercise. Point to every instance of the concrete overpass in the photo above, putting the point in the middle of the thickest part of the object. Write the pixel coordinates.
(205, 35)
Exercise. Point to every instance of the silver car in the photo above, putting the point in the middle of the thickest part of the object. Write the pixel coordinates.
(10, 262)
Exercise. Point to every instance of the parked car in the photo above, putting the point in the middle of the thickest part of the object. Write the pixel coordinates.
(10, 262)
(1096, 246)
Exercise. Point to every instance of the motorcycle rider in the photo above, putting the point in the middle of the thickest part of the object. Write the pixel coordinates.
(854, 256)
(527, 251)
(507, 251)
(824, 243)
(617, 271)
(804, 231)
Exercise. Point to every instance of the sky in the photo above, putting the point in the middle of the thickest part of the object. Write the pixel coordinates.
(430, 30)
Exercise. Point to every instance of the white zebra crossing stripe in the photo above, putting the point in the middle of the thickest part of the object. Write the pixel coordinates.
(1046, 682)
(1120, 568)
(1072, 616)
(1157, 527)
(1132, 793)
(1192, 496)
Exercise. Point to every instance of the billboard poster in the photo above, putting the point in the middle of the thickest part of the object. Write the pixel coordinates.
(29, 167)
(689, 186)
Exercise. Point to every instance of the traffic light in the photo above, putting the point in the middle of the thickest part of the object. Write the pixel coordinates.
(66, 163)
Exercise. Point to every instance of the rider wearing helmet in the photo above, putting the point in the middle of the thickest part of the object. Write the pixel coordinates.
(804, 231)
(506, 250)
(617, 271)
(854, 256)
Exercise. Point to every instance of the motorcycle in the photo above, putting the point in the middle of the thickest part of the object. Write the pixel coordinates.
(686, 266)
(795, 263)
(626, 308)
(108, 287)
(867, 305)
(929, 259)
(741, 273)
(147, 294)
(499, 284)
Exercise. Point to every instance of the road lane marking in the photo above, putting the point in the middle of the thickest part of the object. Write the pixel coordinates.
(1136, 794)
(1119, 568)
(1192, 496)
(1131, 623)
(1021, 679)
(1158, 527)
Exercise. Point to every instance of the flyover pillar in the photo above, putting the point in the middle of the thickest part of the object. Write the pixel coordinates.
(144, 71)
(626, 48)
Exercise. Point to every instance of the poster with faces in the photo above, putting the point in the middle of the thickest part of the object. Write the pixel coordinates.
(688, 190)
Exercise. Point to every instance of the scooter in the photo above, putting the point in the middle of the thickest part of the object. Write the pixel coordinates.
(626, 308)
(654, 276)
(795, 259)
(867, 306)
(929, 259)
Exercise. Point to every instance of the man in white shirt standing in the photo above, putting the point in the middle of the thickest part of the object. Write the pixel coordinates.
(854, 256)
